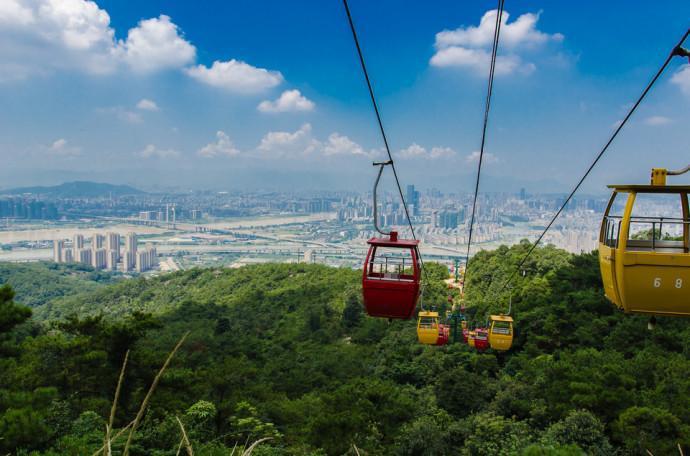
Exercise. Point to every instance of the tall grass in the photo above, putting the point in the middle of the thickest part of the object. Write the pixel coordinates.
(109, 439)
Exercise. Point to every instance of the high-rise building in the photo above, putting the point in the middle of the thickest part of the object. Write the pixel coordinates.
(448, 219)
(153, 256)
(131, 242)
(99, 258)
(130, 247)
(412, 200)
(57, 251)
(112, 242)
(142, 261)
(77, 245)
(111, 260)
(128, 260)
(83, 256)
(97, 241)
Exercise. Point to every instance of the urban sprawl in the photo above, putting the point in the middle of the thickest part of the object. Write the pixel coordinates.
(141, 232)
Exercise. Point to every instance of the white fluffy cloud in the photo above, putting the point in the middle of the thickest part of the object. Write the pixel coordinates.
(479, 60)
(13, 12)
(520, 33)
(147, 105)
(284, 143)
(290, 100)
(338, 144)
(657, 120)
(681, 78)
(43, 36)
(40, 36)
(236, 76)
(469, 47)
(416, 151)
(222, 146)
(151, 151)
(302, 143)
(488, 159)
(156, 44)
(61, 148)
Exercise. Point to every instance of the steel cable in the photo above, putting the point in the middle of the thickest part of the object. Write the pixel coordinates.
(383, 132)
(489, 91)
(677, 51)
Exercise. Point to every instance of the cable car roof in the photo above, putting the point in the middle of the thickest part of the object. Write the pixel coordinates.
(384, 242)
(501, 318)
(428, 314)
(651, 188)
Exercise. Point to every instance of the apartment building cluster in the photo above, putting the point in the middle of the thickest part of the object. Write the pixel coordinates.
(104, 252)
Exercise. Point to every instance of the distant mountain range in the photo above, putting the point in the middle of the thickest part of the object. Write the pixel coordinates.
(76, 189)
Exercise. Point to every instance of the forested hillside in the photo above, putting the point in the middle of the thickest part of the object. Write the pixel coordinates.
(286, 352)
(37, 284)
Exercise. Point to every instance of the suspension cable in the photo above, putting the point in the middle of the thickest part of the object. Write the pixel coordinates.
(489, 90)
(678, 50)
(378, 114)
(383, 132)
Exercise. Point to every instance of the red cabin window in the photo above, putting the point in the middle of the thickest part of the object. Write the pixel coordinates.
(391, 276)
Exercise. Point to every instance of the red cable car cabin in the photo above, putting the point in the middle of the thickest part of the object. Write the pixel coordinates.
(443, 334)
(481, 342)
(390, 282)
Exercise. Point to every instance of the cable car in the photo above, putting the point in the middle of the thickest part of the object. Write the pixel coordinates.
(428, 328)
(478, 338)
(481, 339)
(471, 337)
(430, 331)
(501, 332)
(645, 259)
(443, 334)
(391, 277)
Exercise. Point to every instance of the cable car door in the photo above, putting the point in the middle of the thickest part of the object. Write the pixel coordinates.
(608, 242)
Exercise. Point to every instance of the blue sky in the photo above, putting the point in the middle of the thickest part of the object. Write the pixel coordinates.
(269, 94)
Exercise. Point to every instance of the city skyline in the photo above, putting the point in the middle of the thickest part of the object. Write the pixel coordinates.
(237, 228)
(163, 94)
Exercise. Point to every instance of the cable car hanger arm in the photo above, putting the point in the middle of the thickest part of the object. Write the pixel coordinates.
(681, 52)
(678, 172)
(381, 165)
(360, 54)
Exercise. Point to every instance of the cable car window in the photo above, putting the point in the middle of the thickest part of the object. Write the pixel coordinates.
(610, 230)
(392, 264)
(501, 327)
(656, 223)
(427, 322)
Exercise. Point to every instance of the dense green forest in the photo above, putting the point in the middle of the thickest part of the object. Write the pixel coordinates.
(37, 284)
(286, 352)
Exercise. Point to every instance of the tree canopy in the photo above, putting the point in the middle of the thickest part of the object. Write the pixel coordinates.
(285, 351)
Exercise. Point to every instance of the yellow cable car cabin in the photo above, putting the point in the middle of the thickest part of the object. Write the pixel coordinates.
(501, 332)
(427, 328)
(644, 246)
(471, 337)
